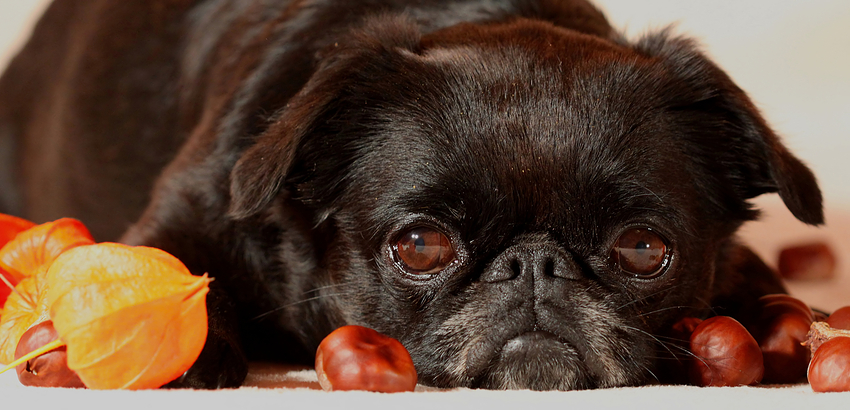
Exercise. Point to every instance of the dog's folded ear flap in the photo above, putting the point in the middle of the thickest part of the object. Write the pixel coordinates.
(259, 174)
(741, 145)
(795, 183)
(265, 169)
(764, 164)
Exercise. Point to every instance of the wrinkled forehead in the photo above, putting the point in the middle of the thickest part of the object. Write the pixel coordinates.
(530, 106)
(524, 103)
(537, 123)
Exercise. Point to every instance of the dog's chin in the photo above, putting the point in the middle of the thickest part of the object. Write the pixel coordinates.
(535, 361)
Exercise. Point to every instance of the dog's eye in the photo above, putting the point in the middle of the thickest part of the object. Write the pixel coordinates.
(424, 250)
(640, 252)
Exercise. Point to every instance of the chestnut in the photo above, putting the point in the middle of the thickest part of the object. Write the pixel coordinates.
(777, 303)
(813, 261)
(358, 358)
(840, 319)
(50, 369)
(829, 370)
(782, 326)
(725, 354)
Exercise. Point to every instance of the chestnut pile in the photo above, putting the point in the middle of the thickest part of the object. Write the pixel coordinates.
(782, 342)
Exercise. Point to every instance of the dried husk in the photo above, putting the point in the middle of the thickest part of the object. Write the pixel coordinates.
(25, 307)
(132, 317)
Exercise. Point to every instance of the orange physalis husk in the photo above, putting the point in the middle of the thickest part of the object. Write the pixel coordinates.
(132, 317)
(26, 307)
(10, 227)
(40, 245)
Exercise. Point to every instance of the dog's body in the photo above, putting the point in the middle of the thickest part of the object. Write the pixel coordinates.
(310, 153)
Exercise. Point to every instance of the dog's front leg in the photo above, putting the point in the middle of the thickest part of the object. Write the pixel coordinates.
(222, 363)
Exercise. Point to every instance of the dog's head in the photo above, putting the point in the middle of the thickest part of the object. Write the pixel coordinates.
(521, 205)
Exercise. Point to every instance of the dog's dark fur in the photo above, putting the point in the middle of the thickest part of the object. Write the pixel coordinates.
(283, 145)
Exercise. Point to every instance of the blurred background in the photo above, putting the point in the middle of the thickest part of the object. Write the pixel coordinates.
(791, 56)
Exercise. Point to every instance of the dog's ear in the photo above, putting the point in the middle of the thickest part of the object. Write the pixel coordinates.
(293, 147)
(733, 138)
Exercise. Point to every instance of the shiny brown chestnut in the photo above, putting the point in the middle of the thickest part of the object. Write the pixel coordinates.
(829, 370)
(782, 327)
(50, 369)
(725, 354)
(773, 304)
(359, 358)
(840, 319)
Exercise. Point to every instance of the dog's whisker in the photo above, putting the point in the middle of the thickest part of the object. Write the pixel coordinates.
(667, 342)
(645, 367)
(670, 338)
(279, 308)
(666, 345)
(659, 341)
(320, 288)
(652, 312)
(641, 299)
(706, 305)
(663, 357)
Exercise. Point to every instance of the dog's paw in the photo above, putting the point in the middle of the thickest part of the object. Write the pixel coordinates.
(222, 362)
(220, 365)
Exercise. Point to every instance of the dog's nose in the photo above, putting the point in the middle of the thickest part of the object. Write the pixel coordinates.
(534, 260)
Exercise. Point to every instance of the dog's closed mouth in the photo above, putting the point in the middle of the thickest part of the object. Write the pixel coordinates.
(536, 360)
(530, 345)
(528, 341)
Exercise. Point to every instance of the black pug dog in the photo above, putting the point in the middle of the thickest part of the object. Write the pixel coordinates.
(521, 196)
